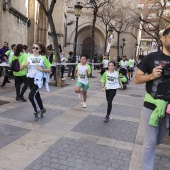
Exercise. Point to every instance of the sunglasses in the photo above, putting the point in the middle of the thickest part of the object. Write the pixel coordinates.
(36, 48)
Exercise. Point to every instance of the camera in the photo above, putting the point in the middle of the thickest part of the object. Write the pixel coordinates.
(166, 69)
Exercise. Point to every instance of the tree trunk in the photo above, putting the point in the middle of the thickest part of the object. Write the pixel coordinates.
(118, 44)
(55, 41)
(105, 45)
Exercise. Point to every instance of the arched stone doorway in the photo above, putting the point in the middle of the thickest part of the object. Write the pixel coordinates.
(87, 47)
(84, 41)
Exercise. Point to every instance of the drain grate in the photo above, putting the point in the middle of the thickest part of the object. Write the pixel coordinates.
(135, 95)
(2, 102)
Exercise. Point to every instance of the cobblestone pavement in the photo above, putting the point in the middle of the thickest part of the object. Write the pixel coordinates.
(70, 137)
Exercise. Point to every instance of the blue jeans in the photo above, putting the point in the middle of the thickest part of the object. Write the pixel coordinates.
(153, 136)
(69, 70)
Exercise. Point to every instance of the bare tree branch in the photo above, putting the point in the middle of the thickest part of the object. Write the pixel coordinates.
(43, 7)
(52, 6)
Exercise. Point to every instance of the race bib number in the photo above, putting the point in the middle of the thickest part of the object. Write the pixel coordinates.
(112, 79)
(82, 76)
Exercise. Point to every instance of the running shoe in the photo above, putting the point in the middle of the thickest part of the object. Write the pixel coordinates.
(17, 98)
(22, 99)
(42, 113)
(84, 105)
(36, 116)
(107, 118)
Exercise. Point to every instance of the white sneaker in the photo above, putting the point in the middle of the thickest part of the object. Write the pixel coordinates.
(84, 105)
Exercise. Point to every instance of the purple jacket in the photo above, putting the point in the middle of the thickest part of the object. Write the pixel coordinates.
(3, 50)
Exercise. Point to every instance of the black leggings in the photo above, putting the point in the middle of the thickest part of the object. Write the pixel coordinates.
(73, 70)
(34, 95)
(18, 81)
(110, 94)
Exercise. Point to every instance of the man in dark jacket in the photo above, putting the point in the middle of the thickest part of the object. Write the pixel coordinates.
(3, 50)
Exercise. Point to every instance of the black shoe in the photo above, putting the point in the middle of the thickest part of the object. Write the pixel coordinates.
(107, 118)
(2, 85)
(42, 113)
(8, 81)
(17, 98)
(22, 99)
(36, 116)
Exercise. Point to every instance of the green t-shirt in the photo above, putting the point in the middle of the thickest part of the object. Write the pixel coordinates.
(110, 80)
(124, 64)
(123, 78)
(54, 58)
(8, 52)
(28, 54)
(22, 58)
(81, 71)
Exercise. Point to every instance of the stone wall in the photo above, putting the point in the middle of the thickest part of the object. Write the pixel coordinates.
(13, 22)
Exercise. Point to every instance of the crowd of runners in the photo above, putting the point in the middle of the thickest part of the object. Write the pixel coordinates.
(33, 70)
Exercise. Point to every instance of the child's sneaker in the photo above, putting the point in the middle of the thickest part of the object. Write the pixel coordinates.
(36, 116)
(107, 118)
(84, 105)
(42, 113)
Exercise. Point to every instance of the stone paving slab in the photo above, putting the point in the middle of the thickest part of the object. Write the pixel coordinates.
(17, 157)
(162, 163)
(120, 110)
(24, 113)
(70, 92)
(114, 129)
(9, 133)
(71, 154)
(64, 101)
(100, 140)
(95, 85)
(129, 100)
(12, 93)
(129, 92)
(92, 141)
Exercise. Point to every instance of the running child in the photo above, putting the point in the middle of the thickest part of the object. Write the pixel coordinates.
(110, 82)
(34, 63)
(82, 71)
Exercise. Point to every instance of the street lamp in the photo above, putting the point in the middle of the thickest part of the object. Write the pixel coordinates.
(77, 11)
(122, 46)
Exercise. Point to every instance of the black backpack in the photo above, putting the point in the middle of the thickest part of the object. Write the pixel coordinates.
(15, 65)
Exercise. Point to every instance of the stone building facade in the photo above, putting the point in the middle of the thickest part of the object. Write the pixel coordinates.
(149, 11)
(84, 39)
(27, 23)
(22, 21)
(13, 21)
